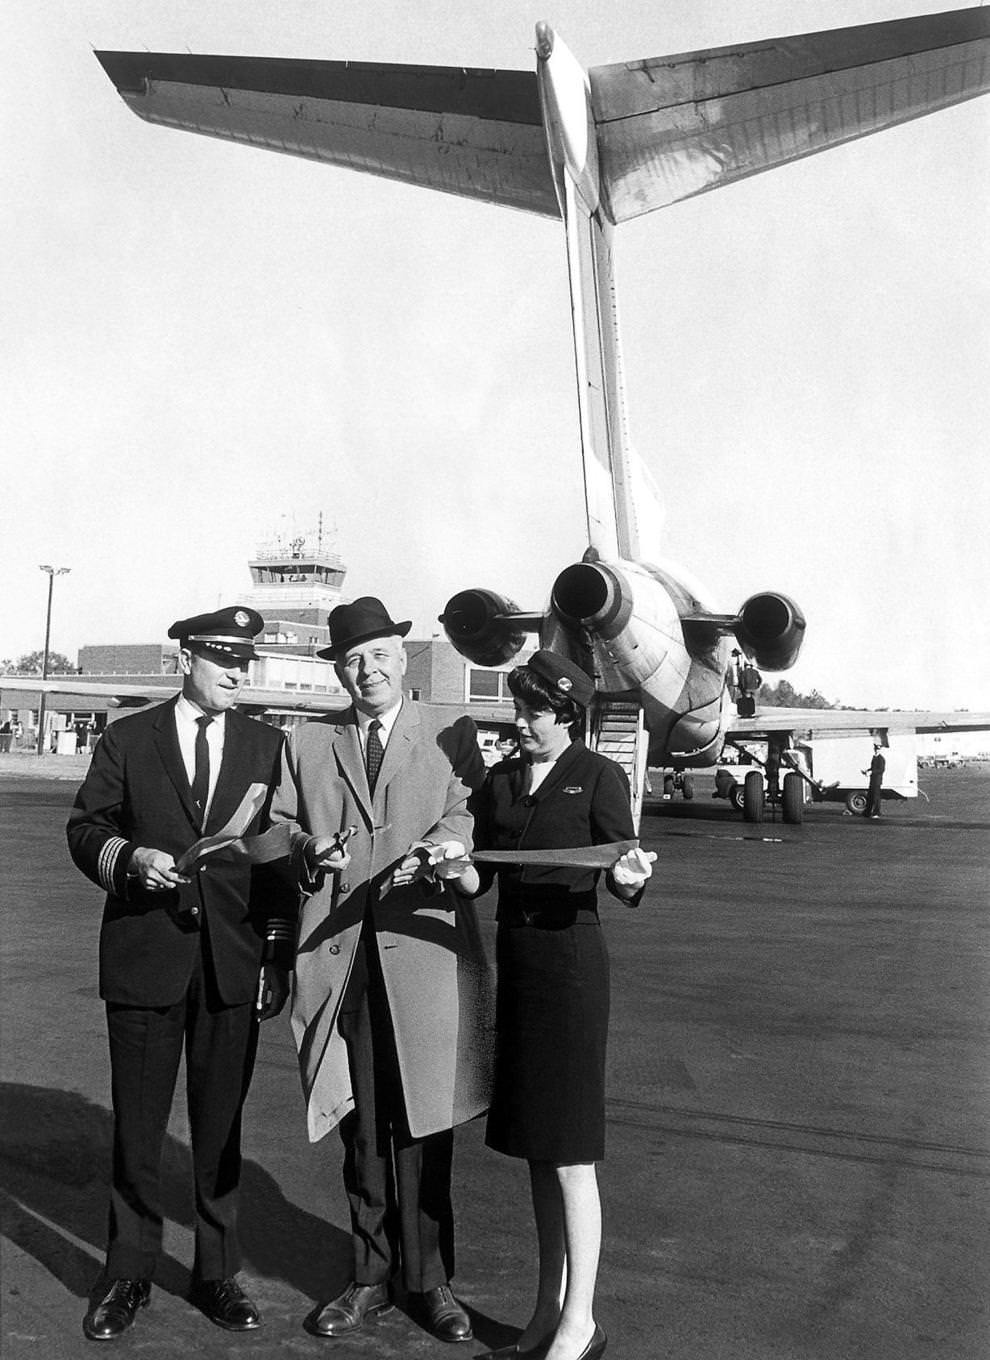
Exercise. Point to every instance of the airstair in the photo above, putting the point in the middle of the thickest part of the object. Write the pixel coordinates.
(618, 732)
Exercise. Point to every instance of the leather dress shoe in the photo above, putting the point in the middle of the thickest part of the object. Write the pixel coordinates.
(225, 1303)
(114, 1310)
(348, 1311)
(445, 1317)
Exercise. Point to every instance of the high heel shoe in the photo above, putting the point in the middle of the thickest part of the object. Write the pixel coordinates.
(537, 1352)
(595, 1348)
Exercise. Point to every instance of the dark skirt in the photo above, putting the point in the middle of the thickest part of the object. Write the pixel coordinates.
(548, 1102)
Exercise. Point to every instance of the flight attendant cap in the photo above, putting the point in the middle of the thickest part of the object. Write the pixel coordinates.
(564, 675)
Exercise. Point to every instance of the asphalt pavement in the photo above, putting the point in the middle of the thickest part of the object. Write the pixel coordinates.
(798, 1161)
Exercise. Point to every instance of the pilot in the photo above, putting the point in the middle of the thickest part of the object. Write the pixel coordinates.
(185, 962)
(393, 1002)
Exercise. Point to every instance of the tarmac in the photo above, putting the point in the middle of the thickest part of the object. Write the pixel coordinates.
(798, 1162)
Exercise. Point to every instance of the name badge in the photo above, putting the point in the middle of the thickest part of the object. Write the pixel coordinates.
(572, 788)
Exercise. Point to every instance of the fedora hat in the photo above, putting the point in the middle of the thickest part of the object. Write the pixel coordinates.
(358, 621)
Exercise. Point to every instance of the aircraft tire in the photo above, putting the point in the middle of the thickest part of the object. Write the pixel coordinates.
(753, 797)
(737, 798)
(668, 786)
(687, 788)
(792, 799)
(856, 802)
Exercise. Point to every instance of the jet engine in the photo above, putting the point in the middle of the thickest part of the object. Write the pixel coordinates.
(770, 629)
(480, 624)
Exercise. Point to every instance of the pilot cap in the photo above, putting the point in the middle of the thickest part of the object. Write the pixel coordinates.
(359, 621)
(226, 634)
(563, 675)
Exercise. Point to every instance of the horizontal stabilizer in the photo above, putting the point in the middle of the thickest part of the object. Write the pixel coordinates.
(469, 132)
(667, 128)
(675, 126)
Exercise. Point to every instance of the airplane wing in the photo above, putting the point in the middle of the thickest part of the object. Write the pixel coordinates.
(133, 696)
(667, 128)
(823, 722)
(475, 133)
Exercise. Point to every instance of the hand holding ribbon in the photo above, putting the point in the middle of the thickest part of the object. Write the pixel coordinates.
(632, 869)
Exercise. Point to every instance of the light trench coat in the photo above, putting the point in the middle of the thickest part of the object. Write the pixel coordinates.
(439, 982)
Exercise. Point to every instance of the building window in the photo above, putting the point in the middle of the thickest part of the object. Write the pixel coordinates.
(484, 686)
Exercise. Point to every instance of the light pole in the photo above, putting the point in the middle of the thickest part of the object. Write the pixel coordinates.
(52, 573)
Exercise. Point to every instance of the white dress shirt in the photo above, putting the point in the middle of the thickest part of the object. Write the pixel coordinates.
(387, 721)
(538, 771)
(186, 713)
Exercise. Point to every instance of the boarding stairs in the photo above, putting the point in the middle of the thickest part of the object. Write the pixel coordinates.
(618, 732)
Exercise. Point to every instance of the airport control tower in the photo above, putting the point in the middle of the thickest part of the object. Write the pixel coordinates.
(296, 581)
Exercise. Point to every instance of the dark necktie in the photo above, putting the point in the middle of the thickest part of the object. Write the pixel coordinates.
(201, 776)
(374, 753)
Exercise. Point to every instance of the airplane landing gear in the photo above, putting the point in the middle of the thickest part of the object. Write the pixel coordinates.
(754, 797)
(678, 782)
(792, 799)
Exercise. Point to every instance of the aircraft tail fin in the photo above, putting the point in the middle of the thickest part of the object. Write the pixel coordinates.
(622, 501)
(623, 507)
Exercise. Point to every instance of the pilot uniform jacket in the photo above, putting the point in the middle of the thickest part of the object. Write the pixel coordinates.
(137, 794)
(179, 968)
(436, 975)
(548, 1100)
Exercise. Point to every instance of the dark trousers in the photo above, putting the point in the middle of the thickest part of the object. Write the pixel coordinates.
(146, 1044)
(398, 1187)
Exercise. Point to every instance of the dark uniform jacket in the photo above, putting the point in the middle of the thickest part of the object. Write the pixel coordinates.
(584, 800)
(137, 794)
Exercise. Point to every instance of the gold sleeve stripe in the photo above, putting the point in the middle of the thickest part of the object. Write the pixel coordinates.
(107, 862)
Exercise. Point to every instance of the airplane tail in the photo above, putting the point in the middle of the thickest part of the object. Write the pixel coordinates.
(622, 502)
(623, 140)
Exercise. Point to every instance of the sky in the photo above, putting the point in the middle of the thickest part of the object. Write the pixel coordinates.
(207, 344)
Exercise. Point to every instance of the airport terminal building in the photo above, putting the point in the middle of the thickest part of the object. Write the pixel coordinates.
(294, 585)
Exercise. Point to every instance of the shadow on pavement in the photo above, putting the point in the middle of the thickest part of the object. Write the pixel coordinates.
(55, 1156)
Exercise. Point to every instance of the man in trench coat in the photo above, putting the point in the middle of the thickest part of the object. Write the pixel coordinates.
(393, 1005)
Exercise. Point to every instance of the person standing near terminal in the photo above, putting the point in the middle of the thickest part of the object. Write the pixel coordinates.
(185, 962)
(548, 1101)
(393, 1002)
(877, 767)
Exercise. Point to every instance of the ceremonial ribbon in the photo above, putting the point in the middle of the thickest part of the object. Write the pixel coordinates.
(576, 857)
(272, 844)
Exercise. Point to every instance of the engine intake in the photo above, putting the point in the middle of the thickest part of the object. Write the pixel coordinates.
(770, 629)
(480, 626)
